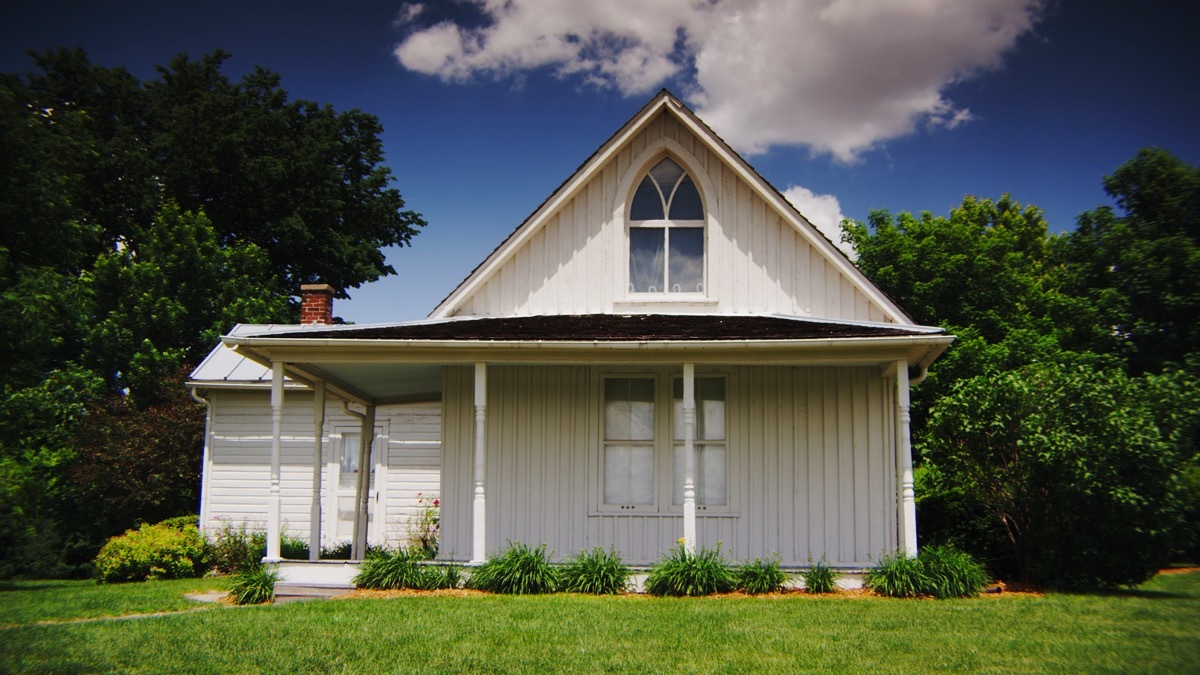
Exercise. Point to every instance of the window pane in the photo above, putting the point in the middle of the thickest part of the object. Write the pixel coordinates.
(348, 475)
(666, 173)
(710, 475)
(710, 409)
(687, 260)
(646, 259)
(628, 475)
(686, 205)
(629, 409)
(647, 202)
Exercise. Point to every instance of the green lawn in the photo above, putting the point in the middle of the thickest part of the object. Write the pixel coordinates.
(1154, 628)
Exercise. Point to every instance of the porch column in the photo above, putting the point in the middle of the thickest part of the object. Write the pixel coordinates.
(689, 456)
(362, 491)
(273, 501)
(314, 523)
(907, 505)
(479, 512)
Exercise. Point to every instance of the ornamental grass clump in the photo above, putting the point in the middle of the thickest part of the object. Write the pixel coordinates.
(938, 571)
(760, 576)
(253, 585)
(819, 578)
(684, 573)
(951, 572)
(597, 571)
(519, 570)
(390, 571)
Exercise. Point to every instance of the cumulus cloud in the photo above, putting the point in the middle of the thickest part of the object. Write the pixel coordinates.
(837, 76)
(824, 212)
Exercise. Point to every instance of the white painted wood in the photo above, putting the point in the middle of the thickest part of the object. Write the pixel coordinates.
(689, 456)
(795, 489)
(275, 500)
(479, 504)
(757, 260)
(908, 502)
(314, 536)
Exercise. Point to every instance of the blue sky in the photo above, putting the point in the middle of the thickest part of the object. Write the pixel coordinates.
(906, 105)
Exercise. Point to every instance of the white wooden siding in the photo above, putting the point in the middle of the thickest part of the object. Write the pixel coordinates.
(757, 262)
(811, 455)
(238, 475)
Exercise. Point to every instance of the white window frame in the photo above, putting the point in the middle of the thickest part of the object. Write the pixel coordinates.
(664, 448)
(666, 225)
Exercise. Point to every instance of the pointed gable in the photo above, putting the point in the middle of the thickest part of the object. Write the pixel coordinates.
(584, 251)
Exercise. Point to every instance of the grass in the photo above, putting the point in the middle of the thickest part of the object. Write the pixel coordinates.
(30, 601)
(1153, 628)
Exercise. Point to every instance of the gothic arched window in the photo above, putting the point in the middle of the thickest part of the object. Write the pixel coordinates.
(666, 233)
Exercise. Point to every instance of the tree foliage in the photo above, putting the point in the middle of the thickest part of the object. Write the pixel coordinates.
(138, 222)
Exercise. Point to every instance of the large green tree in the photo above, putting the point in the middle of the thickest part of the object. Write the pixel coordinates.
(139, 221)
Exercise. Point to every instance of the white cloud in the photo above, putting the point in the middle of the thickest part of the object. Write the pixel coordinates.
(837, 76)
(823, 211)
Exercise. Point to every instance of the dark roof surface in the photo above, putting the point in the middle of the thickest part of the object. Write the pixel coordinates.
(611, 328)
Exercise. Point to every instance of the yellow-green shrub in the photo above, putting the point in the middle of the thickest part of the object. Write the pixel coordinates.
(162, 551)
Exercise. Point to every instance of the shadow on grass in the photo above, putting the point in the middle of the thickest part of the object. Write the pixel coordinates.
(6, 586)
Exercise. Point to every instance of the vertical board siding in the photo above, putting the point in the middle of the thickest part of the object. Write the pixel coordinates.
(811, 471)
(240, 456)
(757, 261)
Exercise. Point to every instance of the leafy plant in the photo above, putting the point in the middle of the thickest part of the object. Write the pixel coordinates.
(684, 573)
(338, 551)
(253, 585)
(237, 548)
(951, 573)
(898, 576)
(293, 548)
(424, 528)
(390, 571)
(819, 577)
(152, 552)
(519, 570)
(760, 576)
(597, 571)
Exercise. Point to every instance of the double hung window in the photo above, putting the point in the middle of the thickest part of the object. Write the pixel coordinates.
(666, 233)
(643, 447)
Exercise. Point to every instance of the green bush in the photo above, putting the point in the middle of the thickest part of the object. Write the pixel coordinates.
(253, 585)
(519, 570)
(819, 578)
(938, 571)
(597, 571)
(180, 522)
(760, 576)
(339, 551)
(683, 573)
(292, 548)
(237, 548)
(152, 552)
(952, 573)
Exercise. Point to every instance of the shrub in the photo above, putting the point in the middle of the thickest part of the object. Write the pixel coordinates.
(939, 571)
(760, 576)
(596, 571)
(292, 548)
(819, 578)
(338, 551)
(237, 548)
(253, 585)
(180, 522)
(951, 573)
(898, 576)
(683, 573)
(152, 552)
(519, 570)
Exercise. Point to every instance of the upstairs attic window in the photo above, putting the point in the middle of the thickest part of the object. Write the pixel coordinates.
(666, 233)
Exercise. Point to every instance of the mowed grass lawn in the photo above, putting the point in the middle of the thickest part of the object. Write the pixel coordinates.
(1153, 628)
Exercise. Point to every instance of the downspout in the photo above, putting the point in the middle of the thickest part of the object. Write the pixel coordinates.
(206, 458)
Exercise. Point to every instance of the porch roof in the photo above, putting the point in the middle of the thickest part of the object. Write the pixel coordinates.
(401, 362)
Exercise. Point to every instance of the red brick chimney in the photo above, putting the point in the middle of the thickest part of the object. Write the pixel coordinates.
(316, 304)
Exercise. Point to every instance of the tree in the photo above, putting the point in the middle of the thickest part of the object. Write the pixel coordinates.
(1077, 467)
(1143, 267)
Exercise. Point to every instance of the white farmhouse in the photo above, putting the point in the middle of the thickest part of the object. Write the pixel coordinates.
(665, 349)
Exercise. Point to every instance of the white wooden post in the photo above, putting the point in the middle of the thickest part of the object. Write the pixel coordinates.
(689, 456)
(314, 523)
(907, 495)
(273, 502)
(362, 488)
(479, 509)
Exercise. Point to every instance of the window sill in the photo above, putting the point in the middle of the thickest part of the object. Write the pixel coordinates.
(674, 300)
(673, 513)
